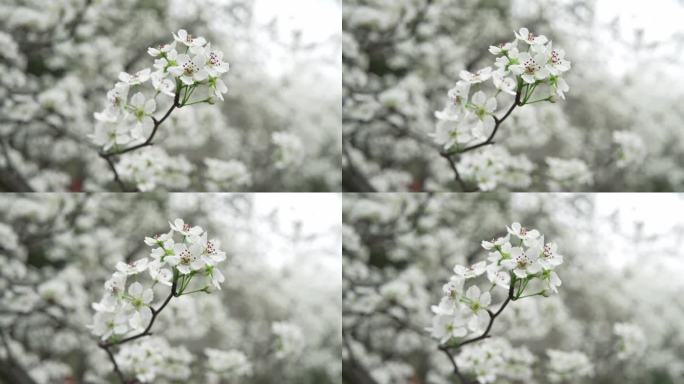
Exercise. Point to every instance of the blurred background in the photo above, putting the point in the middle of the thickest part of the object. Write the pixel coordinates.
(622, 265)
(59, 59)
(283, 266)
(401, 57)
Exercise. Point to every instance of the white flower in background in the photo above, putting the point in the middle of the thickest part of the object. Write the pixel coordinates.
(630, 151)
(290, 150)
(495, 360)
(494, 166)
(472, 271)
(567, 174)
(564, 366)
(478, 303)
(228, 364)
(189, 40)
(223, 174)
(632, 342)
(153, 360)
(478, 77)
(528, 37)
(289, 340)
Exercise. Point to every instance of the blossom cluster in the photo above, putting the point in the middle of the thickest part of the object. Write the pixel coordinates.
(567, 174)
(496, 359)
(518, 72)
(289, 340)
(153, 358)
(630, 151)
(229, 365)
(185, 67)
(632, 342)
(520, 260)
(495, 166)
(175, 259)
(568, 366)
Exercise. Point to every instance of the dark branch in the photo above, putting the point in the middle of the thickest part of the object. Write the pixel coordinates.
(484, 335)
(146, 332)
(490, 140)
(148, 142)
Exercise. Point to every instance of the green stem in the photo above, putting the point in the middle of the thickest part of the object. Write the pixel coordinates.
(195, 291)
(198, 101)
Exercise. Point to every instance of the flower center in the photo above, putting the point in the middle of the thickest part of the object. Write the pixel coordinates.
(214, 59)
(186, 227)
(185, 257)
(530, 36)
(555, 57)
(547, 251)
(189, 68)
(530, 66)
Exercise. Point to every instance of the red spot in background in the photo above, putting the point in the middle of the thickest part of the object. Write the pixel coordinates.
(76, 185)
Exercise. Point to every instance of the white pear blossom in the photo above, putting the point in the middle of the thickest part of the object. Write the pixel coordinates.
(472, 271)
(632, 342)
(630, 151)
(186, 258)
(189, 40)
(478, 77)
(190, 69)
(142, 110)
(478, 303)
(531, 68)
(140, 299)
(523, 262)
(528, 37)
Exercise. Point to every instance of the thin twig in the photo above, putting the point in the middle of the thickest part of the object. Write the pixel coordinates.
(490, 140)
(107, 156)
(146, 332)
(484, 335)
